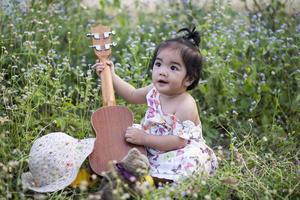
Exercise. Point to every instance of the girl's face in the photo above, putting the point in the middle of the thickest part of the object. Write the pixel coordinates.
(169, 72)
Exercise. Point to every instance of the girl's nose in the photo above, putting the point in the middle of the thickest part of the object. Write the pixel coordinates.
(163, 71)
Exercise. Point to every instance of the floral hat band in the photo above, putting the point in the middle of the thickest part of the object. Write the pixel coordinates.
(54, 161)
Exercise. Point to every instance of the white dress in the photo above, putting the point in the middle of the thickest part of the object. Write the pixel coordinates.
(196, 156)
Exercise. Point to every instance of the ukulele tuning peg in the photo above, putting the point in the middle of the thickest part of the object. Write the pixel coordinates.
(97, 47)
(107, 46)
(113, 44)
(96, 36)
(107, 34)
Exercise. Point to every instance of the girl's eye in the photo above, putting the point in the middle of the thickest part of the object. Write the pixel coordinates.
(174, 68)
(157, 64)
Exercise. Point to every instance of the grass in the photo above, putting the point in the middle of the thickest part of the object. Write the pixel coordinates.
(248, 97)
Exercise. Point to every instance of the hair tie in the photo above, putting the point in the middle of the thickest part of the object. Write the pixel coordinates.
(192, 35)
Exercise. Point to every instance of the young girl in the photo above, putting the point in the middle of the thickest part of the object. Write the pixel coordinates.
(171, 129)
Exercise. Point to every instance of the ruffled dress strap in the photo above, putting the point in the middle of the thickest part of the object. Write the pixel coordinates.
(153, 114)
(153, 99)
(188, 130)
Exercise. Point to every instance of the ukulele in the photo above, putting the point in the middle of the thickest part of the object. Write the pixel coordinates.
(111, 121)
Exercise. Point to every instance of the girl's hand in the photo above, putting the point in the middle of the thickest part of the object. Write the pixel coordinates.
(135, 136)
(99, 66)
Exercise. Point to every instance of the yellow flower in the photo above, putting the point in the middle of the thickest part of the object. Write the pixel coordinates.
(148, 179)
(83, 176)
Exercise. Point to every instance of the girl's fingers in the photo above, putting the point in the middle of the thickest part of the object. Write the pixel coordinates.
(128, 138)
(110, 63)
(99, 66)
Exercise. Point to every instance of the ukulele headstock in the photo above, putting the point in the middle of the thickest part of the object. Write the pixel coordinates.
(101, 37)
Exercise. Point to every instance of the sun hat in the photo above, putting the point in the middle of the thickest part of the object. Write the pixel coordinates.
(54, 161)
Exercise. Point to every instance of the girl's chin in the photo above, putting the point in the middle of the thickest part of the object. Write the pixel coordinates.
(163, 89)
(162, 85)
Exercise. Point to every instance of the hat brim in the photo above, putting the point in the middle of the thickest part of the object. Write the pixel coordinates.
(89, 147)
(28, 180)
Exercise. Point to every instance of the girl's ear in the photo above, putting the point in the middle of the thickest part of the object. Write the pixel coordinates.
(188, 81)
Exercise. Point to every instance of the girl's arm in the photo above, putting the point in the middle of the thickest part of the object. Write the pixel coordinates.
(164, 143)
(130, 93)
(161, 143)
(124, 89)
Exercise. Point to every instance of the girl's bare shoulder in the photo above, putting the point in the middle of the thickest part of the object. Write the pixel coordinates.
(187, 109)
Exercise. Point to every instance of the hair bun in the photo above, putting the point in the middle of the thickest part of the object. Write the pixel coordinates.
(191, 35)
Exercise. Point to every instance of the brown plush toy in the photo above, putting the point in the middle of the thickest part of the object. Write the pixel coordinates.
(128, 177)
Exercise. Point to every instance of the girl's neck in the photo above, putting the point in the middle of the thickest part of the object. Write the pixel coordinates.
(169, 103)
(172, 96)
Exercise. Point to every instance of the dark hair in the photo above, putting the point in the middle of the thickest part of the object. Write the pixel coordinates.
(188, 45)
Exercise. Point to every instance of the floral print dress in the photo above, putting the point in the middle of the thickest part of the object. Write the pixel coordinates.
(196, 156)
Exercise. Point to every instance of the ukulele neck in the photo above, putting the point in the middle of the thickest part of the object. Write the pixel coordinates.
(101, 37)
(108, 95)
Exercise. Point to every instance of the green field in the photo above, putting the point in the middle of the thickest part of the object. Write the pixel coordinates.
(248, 97)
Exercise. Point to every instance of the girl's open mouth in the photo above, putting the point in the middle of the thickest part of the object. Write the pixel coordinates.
(162, 82)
